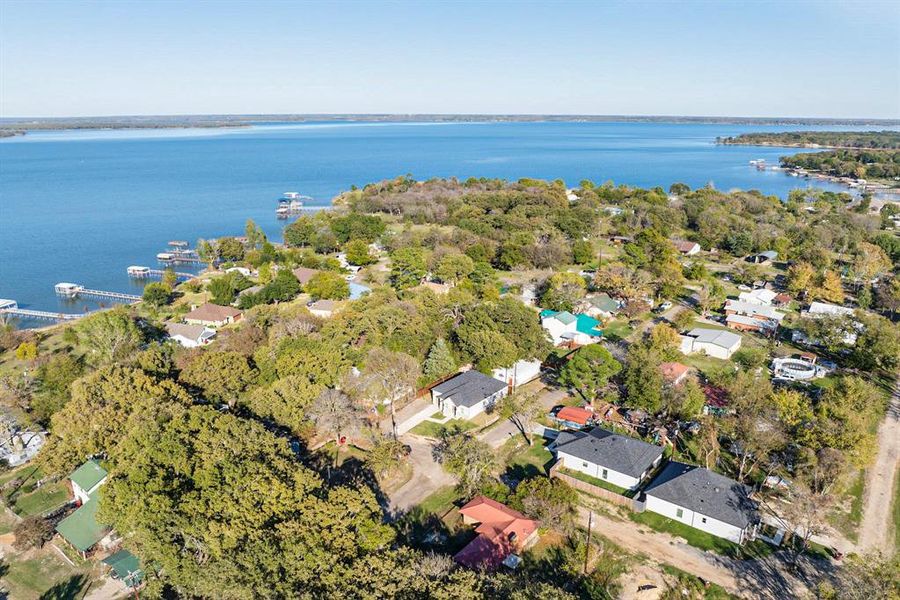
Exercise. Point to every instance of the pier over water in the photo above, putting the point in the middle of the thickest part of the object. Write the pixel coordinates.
(74, 290)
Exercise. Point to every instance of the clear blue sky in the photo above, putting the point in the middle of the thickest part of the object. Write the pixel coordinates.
(817, 59)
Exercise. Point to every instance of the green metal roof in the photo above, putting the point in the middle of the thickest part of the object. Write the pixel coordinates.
(605, 303)
(126, 567)
(564, 317)
(81, 528)
(88, 475)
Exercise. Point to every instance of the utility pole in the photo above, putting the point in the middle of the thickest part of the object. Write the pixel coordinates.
(587, 550)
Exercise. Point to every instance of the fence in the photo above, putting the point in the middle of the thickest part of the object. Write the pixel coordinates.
(588, 488)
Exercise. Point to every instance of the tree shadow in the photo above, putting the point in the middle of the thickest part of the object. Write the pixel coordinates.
(424, 530)
(66, 590)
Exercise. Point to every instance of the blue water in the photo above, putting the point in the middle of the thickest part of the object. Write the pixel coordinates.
(82, 206)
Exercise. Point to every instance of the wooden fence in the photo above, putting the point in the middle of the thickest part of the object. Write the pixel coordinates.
(588, 488)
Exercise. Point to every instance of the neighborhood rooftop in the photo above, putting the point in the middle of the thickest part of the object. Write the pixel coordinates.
(618, 452)
(719, 337)
(212, 312)
(88, 475)
(469, 388)
(705, 492)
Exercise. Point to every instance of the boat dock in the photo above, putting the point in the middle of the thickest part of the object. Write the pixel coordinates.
(187, 257)
(11, 308)
(74, 290)
(139, 272)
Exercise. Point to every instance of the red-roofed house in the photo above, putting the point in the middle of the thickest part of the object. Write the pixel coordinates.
(572, 416)
(502, 532)
(673, 372)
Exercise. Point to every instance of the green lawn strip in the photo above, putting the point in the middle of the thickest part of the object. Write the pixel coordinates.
(438, 416)
(440, 501)
(617, 329)
(596, 482)
(44, 499)
(846, 519)
(699, 539)
(517, 454)
(696, 587)
(433, 430)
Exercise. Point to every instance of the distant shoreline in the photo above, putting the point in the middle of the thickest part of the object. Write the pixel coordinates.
(10, 127)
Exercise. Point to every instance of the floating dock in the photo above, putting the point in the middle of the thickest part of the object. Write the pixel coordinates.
(74, 290)
(187, 257)
(11, 308)
(139, 272)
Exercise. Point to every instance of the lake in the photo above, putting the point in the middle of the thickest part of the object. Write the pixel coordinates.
(81, 206)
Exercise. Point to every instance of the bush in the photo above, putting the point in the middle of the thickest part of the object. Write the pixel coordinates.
(32, 532)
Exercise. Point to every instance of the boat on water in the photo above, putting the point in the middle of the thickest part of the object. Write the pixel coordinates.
(290, 203)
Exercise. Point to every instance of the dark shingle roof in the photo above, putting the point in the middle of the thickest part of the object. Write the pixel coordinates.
(469, 388)
(705, 492)
(617, 452)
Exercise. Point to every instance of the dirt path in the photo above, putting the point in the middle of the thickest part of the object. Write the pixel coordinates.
(757, 578)
(876, 529)
(428, 475)
(498, 435)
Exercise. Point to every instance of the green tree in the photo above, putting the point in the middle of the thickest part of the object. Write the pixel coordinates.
(562, 291)
(800, 278)
(470, 460)
(589, 370)
(550, 501)
(386, 455)
(254, 234)
(643, 379)
(170, 279)
(877, 347)
(286, 401)
(440, 361)
(830, 287)
(157, 294)
(407, 267)
(106, 406)
(357, 252)
(109, 336)
(664, 341)
(454, 267)
(229, 249)
(328, 285)
(522, 409)
(231, 513)
(582, 252)
(54, 380)
(284, 287)
(392, 378)
(219, 376)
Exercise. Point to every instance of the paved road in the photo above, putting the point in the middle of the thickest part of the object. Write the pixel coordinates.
(876, 529)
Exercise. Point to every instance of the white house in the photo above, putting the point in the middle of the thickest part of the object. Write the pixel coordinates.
(520, 373)
(622, 461)
(86, 479)
(704, 500)
(687, 248)
(190, 336)
(565, 327)
(467, 394)
(717, 343)
(819, 310)
(761, 296)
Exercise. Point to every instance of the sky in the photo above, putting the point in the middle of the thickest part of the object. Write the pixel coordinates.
(836, 59)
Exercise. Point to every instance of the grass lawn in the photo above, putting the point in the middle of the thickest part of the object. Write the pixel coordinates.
(46, 498)
(31, 578)
(524, 461)
(440, 501)
(700, 539)
(617, 329)
(437, 416)
(433, 430)
(847, 517)
(597, 482)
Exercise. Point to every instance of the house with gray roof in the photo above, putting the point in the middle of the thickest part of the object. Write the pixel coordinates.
(621, 460)
(714, 342)
(704, 500)
(467, 394)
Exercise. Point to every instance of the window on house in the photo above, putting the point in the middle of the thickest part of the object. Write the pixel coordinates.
(605, 473)
(703, 520)
(679, 513)
(584, 464)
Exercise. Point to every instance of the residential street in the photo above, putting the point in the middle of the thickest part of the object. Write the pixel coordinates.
(876, 528)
